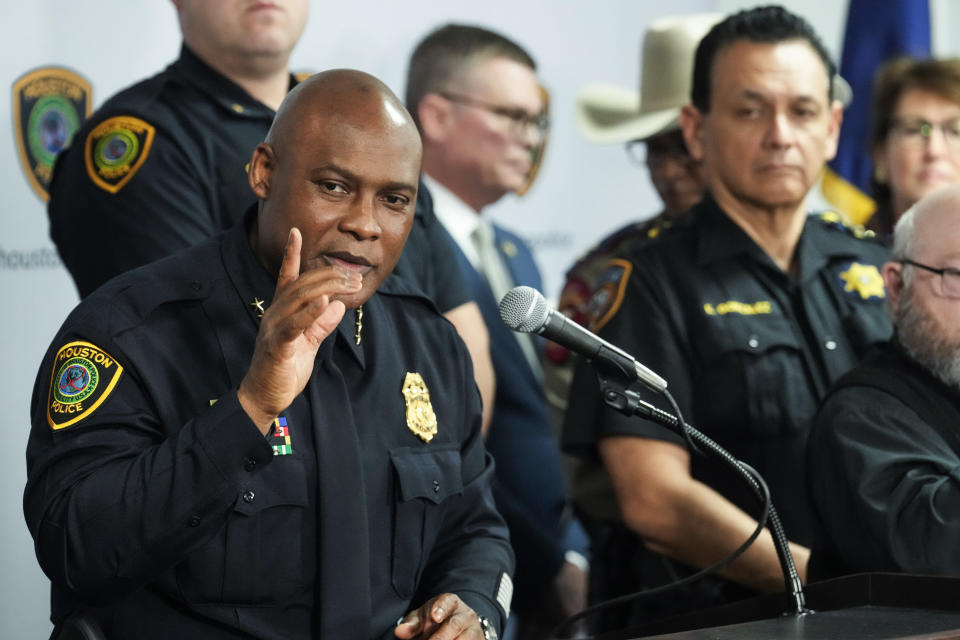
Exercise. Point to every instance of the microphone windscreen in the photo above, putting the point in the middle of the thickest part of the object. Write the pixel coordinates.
(524, 309)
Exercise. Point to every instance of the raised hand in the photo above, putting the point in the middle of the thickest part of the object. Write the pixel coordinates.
(303, 313)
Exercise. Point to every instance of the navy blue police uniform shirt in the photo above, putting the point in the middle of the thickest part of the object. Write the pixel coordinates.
(162, 166)
(155, 502)
(747, 350)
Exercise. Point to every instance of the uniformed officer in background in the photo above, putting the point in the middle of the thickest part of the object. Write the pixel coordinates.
(748, 307)
(162, 165)
(648, 124)
(646, 121)
(270, 435)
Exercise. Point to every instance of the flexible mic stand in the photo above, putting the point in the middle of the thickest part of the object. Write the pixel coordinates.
(616, 393)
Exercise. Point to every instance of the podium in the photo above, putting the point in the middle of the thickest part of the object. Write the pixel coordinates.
(865, 606)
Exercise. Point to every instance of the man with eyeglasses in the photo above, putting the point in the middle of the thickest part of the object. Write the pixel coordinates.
(475, 97)
(885, 448)
(647, 124)
(679, 181)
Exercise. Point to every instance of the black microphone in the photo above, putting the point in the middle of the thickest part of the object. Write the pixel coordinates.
(524, 309)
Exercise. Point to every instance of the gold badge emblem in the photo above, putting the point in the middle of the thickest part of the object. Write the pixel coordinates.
(420, 416)
(49, 105)
(864, 279)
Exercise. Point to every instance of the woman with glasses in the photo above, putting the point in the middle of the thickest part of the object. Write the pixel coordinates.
(915, 134)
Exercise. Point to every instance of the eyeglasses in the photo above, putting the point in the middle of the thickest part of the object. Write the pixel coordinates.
(520, 120)
(949, 278)
(917, 131)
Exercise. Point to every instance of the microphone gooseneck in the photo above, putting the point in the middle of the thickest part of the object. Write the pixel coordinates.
(525, 309)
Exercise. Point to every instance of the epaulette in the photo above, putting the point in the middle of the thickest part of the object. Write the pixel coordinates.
(398, 286)
(612, 244)
(838, 220)
(658, 225)
(136, 299)
(627, 231)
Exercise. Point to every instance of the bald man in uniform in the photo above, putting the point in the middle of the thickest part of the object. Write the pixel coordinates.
(162, 165)
(268, 434)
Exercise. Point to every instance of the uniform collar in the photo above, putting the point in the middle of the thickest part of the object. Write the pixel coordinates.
(229, 95)
(255, 287)
(721, 238)
(253, 283)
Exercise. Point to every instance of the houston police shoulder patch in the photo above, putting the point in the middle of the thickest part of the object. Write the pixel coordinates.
(84, 376)
(116, 149)
(608, 294)
(48, 106)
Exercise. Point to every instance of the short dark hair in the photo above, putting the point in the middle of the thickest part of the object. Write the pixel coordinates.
(444, 53)
(768, 25)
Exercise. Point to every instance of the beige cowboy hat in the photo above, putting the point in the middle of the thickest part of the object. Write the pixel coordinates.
(609, 113)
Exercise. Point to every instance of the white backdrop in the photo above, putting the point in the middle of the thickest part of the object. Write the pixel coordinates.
(583, 190)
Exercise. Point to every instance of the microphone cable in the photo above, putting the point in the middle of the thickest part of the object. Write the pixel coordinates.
(768, 514)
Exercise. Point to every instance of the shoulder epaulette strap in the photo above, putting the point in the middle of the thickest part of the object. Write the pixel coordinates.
(839, 220)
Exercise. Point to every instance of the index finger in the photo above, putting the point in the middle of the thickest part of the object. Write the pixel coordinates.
(290, 266)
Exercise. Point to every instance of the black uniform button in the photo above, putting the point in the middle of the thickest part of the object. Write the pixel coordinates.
(196, 286)
(248, 496)
(194, 521)
(250, 464)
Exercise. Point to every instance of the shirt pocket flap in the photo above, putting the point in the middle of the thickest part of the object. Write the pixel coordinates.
(432, 474)
(754, 338)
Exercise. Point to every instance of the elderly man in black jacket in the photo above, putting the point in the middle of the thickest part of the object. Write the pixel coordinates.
(885, 451)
